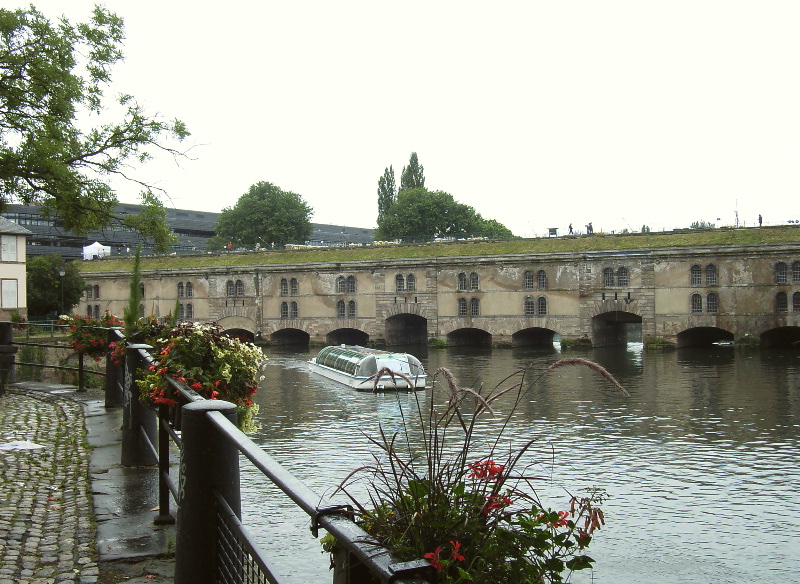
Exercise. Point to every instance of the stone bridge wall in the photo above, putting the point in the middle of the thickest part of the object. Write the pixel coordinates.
(582, 295)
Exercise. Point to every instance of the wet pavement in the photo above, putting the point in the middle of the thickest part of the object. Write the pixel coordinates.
(70, 512)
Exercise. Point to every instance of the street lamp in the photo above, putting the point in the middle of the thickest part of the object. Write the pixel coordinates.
(61, 274)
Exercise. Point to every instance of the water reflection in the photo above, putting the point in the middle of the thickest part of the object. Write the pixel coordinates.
(698, 459)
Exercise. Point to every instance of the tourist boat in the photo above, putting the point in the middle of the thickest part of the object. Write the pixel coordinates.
(358, 367)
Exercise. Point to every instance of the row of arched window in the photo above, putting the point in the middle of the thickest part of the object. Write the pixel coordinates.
(185, 311)
(346, 285)
(537, 281)
(712, 303)
(468, 282)
(289, 310)
(93, 313)
(469, 308)
(696, 275)
(234, 288)
(405, 283)
(289, 287)
(185, 290)
(782, 273)
(782, 302)
(346, 309)
(93, 292)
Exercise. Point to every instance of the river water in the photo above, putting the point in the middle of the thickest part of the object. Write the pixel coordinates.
(700, 461)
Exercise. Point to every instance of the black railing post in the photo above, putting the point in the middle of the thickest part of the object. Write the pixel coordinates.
(81, 386)
(114, 374)
(164, 517)
(209, 463)
(138, 420)
(7, 353)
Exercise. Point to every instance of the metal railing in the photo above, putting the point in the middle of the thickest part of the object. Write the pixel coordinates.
(53, 330)
(208, 490)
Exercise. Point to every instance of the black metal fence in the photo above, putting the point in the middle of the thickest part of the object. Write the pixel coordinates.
(208, 493)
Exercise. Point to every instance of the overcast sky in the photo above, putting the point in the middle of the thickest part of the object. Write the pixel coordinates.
(537, 114)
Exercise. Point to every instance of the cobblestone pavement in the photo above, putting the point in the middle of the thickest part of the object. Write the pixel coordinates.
(47, 516)
(48, 529)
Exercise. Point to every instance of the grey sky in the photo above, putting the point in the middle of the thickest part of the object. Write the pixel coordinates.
(537, 114)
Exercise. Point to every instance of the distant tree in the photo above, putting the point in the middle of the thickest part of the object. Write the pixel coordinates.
(702, 225)
(151, 223)
(387, 192)
(645, 229)
(413, 175)
(52, 74)
(420, 214)
(44, 285)
(265, 214)
(494, 230)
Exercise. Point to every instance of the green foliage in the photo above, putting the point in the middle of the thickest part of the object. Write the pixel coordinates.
(45, 285)
(131, 313)
(29, 354)
(702, 225)
(208, 362)
(151, 223)
(387, 192)
(645, 229)
(413, 175)
(266, 214)
(54, 73)
(422, 215)
(467, 504)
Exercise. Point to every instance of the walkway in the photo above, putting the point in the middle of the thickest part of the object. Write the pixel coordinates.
(69, 512)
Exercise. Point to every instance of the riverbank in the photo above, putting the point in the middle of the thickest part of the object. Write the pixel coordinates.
(70, 512)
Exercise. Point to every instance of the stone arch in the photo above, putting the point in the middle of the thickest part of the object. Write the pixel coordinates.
(702, 336)
(533, 337)
(347, 336)
(238, 323)
(289, 336)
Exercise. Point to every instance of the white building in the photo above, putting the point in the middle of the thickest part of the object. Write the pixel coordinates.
(13, 278)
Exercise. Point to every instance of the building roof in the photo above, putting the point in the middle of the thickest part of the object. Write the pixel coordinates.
(11, 228)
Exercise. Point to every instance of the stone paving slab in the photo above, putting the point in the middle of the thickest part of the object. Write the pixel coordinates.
(69, 512)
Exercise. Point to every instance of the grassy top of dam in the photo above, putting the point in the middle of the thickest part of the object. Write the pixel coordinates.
(564, 244)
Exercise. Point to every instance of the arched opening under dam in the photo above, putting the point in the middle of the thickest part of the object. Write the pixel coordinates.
(347, 336)
(241, 334)
(289, 336)
(406, 329)
(617, 328)
(533, 337)
(782, 337)
(469, 336)
(702, 336)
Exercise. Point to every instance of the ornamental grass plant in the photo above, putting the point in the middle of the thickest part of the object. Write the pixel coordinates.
(466, 500)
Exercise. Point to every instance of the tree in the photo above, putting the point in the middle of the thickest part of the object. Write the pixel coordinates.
(264, 215)
(494, 230)
(420, 214)
(52, 78)
(387, 192)
(413, 176)
(45, 285)
(151, 223)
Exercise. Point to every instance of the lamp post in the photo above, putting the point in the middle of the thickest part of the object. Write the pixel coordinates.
(61, 274)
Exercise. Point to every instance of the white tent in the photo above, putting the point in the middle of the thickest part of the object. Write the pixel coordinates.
(96, 250)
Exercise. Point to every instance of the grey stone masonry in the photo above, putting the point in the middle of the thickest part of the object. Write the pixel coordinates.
(47, 522)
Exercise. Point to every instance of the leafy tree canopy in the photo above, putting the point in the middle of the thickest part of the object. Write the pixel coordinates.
(413, 175)
(422, 215)
(387, 192)
(264, 215)
(52, 78)
(44, 285)
(151, 223)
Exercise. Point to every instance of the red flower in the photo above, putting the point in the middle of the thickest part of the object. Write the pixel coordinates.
(197, 385)
(496, 502)
(485, 469)
(560, 522)
(434, 558)
(454, 555)
(214, 394)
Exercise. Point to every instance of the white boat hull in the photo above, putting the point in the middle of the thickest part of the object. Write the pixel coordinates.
(366, 383)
